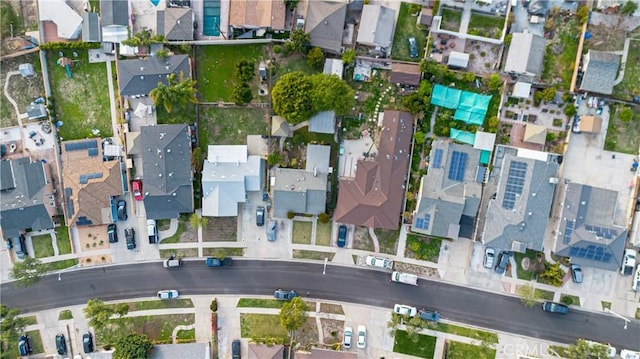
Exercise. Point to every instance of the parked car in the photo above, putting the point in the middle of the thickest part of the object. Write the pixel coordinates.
(413, 47)
(348, 337)
(152, 231)
(172, 262)
(272, 228)
(285, 294)
(576, 273)
(635, 284)
(130, 236)
(362, 337)
(503, 260)
(21, 247)
(87, 342)
(431, 315)
(9, 243)
(552, 307)
(628, 261)
(217, 262)
(260, 216)
(235, 349)
(61, 344)
(112, 233)
(24, 346)
(342, 236)
(403, 309)
(168, 294)
(489, 257)
(136, 186)
(122, 210)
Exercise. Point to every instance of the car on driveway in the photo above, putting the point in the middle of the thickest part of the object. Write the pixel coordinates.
(112, 233)
(21, 247)
(24, 346)
(235, 349)
(122, 210)
(61, 344)
(285, 294)
(137, 189)
(272, 228)
(260, 216)
(552, 307)
(130, 236)
(503, 260)
(87, 342)
(489, 257)
(168, 294)
(405, 310)
(342, 236)
(348, 337)
(576, 273)
(362, 337)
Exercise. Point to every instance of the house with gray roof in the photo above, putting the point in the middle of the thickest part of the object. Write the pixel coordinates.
(588, 234)
(114, 12)
(323, 122)
(302, 191)
(376, 26)
(166, 167)
(526, 54)
(450, 193)
(518, 213)
(175, 23)
(182, 351)
(228, 173)
(325, 24)
(140, 76)
(26, 197)
(91, 30)
(600, 69)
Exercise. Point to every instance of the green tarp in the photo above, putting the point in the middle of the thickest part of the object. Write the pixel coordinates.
(470, 107)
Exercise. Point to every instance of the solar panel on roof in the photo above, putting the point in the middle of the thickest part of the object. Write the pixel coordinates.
(423, 223)
(82, 145)
(480, 174)
(515, 183)
(93, 152)
(457, 166)
(437, 158)
(568, 231)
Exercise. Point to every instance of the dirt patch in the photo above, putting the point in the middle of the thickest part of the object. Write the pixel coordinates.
(331, 308)
(93, 238)
(94, 260)
(605, 38)
(307, 336)
(332, 330)
(22, 90)
(362, 240)
(417, 270)
(483, 57)
(221, 229)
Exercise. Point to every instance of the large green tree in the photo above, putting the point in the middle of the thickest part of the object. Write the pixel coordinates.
(132, 346)
(28, 271)
(293, 315)
(629, 8)
(583, 349)
(349, 57)
(331, 93)
(299, 41)
(99, 313)
(242, 94)
(11, 326)
(245, 70)
(175, 92)
(292, 97)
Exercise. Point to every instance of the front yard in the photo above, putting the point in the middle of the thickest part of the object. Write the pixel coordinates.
(424, 347)
(407, 27)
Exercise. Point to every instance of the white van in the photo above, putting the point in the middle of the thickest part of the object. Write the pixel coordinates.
(152, 231)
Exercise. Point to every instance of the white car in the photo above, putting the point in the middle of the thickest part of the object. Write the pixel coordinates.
(489, 257)
(635, 285)
(168, 294)
(362, 336)
(348, 336)
(405, 310)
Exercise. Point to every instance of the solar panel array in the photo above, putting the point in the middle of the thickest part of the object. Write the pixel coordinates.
(480, 174)
(568, 231)
(437, 158)
(93, 152)
(457, 166)
(593, 252)
(82, 145)
(515, 184)
(83, 221)
(423, 223)
(84, 179)
(602, 232)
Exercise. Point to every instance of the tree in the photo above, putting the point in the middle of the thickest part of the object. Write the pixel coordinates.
(528, 295)
(570, 111)
(162, 53)
(143, 38)
(245, 70)
(495, 82)
(583, 349)
(469, 76)
(99, 313)
(28, 271)
(393, 323)
(548, 94)
(583, 13)
(273, 158)
(11, 326)
(291, 97)
(196, 159)
(315, 58)
(242, 94)
(492, 124)
(9, 17)
(293, 315)
(553, 274)
(329, 92)
(174, 92)
(197, 220)
(291, 4)
(413, 103)
(629, 8)
(300, 41)
(419, 137)
(132, 345)
(626, 114)
(349, 57)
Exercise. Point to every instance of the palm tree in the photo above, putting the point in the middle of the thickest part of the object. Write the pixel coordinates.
(177, 93)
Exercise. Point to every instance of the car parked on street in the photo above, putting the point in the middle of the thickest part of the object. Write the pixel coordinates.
(260, 216)
(136, 187)
(576, 273)
(87, 342)
(130, 236)
(122, 210)
(217, 262)
(61, 344)
(112, 233)
(362, 337)
(503, 260)
(168, 294)
(24, 346)
(172, 262)
(489, 257)
(285, 294)
(635, 284)
(342, 236)
(403, 309)
(235, 349)
(348, 337)
(552, 307)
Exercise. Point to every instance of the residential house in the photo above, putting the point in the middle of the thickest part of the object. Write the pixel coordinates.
(166, 170)
(140, 76)
(589, 232)
(405, 74)
(26, 197)
(91, 27)
(521, 90)
(317, 353)
(376, 27)
(302, 191)
(590, 124)
(323, 122)
(182, 351)
(228, 173)
(333, 67)
(325, 23)
(90, 183)
(526, 55)
(599, 69)
(67, 21)
(519, 211)
(175, 23)
(257, 14)
(375, 196)
(450, 193)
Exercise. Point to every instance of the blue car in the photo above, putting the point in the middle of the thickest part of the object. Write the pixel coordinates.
(285, 294)
(342, 236)
(413, 47)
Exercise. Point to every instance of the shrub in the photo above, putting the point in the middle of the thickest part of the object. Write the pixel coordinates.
(214, 305)
(323, 218)
(70, 46)
(277, 49)
(290, 215)
(567, 300)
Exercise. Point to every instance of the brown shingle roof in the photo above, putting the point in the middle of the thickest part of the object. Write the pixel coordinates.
(259, 13)
(374, 198)
(405, 74)
(261, 351)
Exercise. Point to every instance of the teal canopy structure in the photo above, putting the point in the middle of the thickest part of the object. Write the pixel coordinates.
(470, 107)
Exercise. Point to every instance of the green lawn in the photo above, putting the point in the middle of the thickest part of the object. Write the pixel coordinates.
(407, 27)
(182, 227)
(42, 246)
(186, 336)
(226, 126)
(388, 240)
(570, 299)
(291, 63)
(82, 102)
(30, 320)
(157, 327)
(160, 304)
(217, 69)
(485, 25)
(302, 254)
(36, 342)
(463, 350)
(65, 314)
(423, 248)
(561, 65)
(259, 303)
(623, 136)
(630, 85)
(59, 265)
(302, 232)
(223, 252)
(544, 294)
(323, 234)
(424, 347)
(451, 19)
(525, 274)
(182, 253)
(261, 325)
(467, 332)
(62, 238)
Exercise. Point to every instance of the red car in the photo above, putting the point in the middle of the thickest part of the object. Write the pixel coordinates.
(137, 190)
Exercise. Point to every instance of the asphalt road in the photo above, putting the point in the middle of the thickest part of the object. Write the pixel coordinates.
(344, 284)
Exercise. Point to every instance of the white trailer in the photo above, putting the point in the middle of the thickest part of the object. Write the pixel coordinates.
(405, 278)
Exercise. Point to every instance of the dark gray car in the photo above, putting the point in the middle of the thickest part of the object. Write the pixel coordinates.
(503, 260)
(122, 210)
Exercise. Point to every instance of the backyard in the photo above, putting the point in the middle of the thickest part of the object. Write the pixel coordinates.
(560, 58)
(227, 126)
(22, 90)
(630, 85)
(221, 61)
(623, 136)
(486, 25)
(407, 27)
(450, 19)
(81, 102)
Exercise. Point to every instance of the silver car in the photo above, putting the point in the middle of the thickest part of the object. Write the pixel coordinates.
(168, 294)
(489, 257)
(348, 336)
